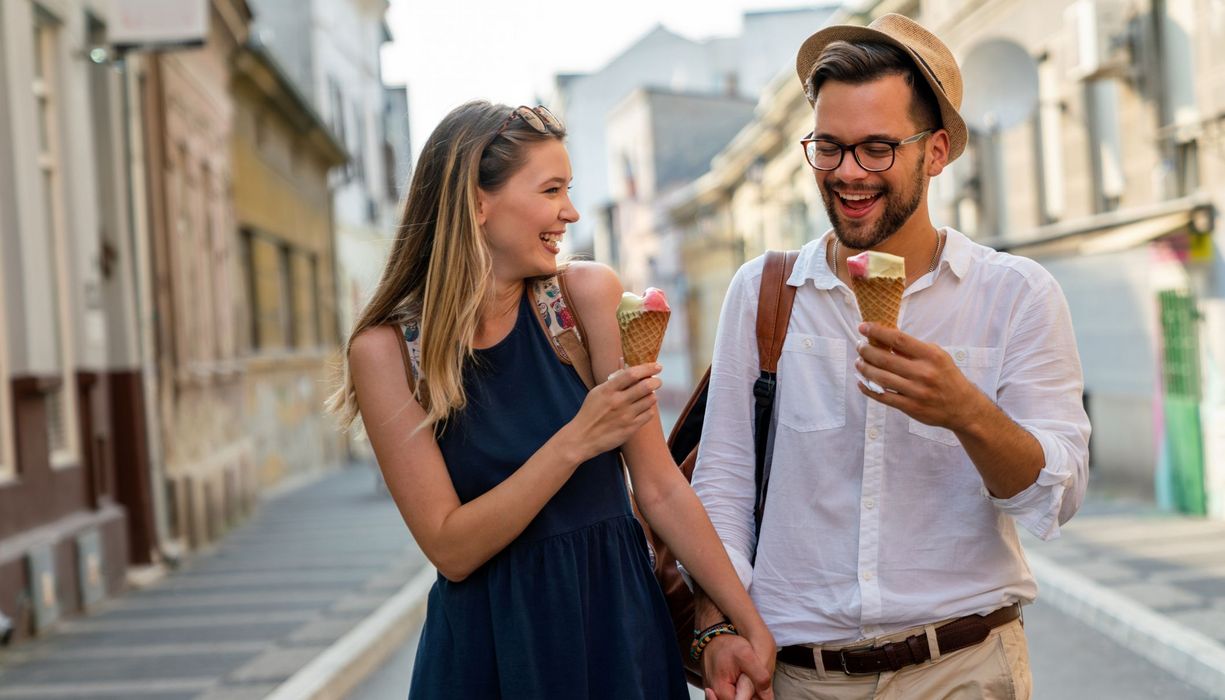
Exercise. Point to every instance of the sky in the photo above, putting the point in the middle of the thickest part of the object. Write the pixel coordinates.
(451, 51)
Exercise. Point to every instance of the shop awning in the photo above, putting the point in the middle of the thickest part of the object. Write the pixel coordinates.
(1113, 231)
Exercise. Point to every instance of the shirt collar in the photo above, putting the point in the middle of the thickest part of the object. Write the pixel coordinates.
(813, 262)
(812, 265)
(956, 251)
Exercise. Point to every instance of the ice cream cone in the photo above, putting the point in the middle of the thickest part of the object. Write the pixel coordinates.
(643, 320)
(879, 299)
(878, 280)
(642, 335)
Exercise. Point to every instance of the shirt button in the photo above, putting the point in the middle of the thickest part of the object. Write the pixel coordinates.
(867, 575)
(808, 342)
(961, 355)
(873, 433)
(869, 503)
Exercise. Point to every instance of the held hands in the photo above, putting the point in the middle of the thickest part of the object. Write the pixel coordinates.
(917, 378)
(615, 410)
(735, 669)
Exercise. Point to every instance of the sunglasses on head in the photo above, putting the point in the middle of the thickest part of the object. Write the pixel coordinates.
(538, 117)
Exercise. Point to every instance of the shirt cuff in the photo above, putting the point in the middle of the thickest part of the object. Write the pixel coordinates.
(744, 570)
(1037, 507)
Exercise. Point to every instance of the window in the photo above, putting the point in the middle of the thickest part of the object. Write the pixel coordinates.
(286, 306)
(61, 403)
(247, 251)
(305, 312)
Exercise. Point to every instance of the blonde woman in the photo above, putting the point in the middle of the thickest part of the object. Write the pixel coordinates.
(501, 462)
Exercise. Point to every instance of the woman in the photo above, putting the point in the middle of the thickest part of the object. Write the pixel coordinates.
(501, 462)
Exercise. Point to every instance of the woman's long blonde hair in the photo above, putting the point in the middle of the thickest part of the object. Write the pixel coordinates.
(439, 270)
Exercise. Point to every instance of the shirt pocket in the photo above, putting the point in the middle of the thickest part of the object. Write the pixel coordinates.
(982, 367)
(812, 383)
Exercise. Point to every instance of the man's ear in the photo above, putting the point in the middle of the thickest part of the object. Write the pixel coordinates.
(937, 152)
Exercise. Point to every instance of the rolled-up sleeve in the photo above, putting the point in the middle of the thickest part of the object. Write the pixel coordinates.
(1041, 388)
(724, 475)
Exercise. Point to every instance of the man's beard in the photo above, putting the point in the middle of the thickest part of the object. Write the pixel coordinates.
(897, 212)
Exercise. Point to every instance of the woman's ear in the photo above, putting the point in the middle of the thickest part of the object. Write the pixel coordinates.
(482, 206)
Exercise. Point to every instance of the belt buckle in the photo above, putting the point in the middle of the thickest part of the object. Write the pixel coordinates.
(842, 659)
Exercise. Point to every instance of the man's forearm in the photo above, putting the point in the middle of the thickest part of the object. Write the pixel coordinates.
(1007, 456)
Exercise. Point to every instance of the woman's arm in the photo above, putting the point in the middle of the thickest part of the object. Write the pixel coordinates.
(457, 538)
(663, 496)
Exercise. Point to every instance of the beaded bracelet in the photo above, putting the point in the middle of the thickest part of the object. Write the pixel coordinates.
(701, 638)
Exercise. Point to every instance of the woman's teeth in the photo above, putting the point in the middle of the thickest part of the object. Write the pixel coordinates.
(552, 241)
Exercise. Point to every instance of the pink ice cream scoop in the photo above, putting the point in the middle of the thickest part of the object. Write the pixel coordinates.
(653, 300)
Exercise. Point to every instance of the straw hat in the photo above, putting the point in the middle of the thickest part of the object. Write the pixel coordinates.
(933, 59)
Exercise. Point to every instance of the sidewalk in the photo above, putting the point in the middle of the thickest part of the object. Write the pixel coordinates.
(308, 573)
(1153, 582)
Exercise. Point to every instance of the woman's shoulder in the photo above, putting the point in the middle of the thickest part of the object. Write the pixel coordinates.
(376, 348)
(591, 282)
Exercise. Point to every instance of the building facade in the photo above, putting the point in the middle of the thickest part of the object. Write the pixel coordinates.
(330, 49)
(207, 465)
(71, 411)
(282, 154)
(1112, 182)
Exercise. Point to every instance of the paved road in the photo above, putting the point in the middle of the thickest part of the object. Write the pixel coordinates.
(1070, 661)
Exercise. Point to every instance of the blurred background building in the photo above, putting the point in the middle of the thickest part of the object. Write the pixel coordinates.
(1098, 150)
(190, 212)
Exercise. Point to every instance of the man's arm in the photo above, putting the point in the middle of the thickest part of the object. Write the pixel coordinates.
(724, 475)
(922, 381)
(1030, 444)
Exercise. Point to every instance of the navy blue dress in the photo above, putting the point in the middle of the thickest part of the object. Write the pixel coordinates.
(570, 609)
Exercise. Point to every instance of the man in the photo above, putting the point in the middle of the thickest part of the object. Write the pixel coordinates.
(888, 564)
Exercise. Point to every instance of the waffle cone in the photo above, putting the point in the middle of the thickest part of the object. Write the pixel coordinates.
(879, 299)
(642, 334)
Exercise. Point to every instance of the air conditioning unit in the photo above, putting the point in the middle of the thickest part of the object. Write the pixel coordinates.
(1099, 39)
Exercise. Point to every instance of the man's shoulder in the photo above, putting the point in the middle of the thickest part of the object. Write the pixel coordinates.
(750, 273)
(996, 265)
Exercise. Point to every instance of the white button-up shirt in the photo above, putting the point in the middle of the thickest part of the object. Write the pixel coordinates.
(875, 522)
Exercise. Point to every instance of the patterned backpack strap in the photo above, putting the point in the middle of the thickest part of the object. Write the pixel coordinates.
(410, 349)
(561, 323)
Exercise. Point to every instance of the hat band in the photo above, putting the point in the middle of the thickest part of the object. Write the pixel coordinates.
(930, 72)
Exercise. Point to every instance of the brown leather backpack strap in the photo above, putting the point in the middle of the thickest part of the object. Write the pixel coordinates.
(774, 301)
(774, 307)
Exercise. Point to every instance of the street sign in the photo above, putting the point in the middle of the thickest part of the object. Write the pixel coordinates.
(136, 24)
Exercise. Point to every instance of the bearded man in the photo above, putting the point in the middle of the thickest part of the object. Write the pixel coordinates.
(887, 563)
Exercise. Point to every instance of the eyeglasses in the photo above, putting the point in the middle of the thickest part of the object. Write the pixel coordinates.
(873, 156)
(538, 117)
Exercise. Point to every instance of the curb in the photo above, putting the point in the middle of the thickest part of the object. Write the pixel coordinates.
(1178, 649)
(345, 664)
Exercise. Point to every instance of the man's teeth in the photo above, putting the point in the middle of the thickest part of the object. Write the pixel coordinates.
(856, 197)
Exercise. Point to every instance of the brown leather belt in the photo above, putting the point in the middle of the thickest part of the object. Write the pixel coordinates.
(951, 636)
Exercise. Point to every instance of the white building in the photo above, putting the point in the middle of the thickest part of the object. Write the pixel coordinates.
(330, 48)
(735, 66)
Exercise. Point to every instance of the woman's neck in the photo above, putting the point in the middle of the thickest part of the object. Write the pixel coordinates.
(498, 314)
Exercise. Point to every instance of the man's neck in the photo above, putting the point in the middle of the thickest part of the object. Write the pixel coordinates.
(916, 242)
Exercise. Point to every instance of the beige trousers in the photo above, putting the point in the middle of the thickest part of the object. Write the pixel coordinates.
(996, 668)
